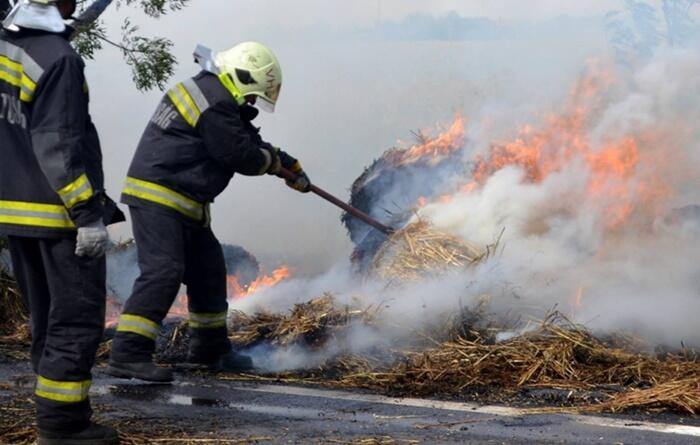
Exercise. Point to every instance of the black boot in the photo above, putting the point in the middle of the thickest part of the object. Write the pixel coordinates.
(141, 370)
(234, 362)
(94, 434)
(230, 361)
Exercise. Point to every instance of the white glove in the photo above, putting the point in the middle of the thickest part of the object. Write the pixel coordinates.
(92, 240)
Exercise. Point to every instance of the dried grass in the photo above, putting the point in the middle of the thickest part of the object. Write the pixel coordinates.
(15, 334)
(13, 311)
(554, 353)
(418, 251)
(312, 323)
(17, 425)
(681, 395)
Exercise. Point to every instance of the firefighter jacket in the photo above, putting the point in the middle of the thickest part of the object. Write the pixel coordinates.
(51, 178)
(200, 136)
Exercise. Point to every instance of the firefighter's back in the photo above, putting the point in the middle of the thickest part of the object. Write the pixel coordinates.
(30, 60)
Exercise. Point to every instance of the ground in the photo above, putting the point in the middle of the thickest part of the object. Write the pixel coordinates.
(208, 408)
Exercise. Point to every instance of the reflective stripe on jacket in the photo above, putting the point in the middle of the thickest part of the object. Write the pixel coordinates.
(158, 194)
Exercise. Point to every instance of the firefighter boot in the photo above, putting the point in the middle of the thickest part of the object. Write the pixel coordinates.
(230, 361)
(211, 349)
(140, 370)
(94, 434)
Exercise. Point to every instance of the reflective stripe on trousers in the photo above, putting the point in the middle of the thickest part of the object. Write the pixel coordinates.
(62, 391)
(138, 325)
(159, 194)
(35, 215)
(207, 320)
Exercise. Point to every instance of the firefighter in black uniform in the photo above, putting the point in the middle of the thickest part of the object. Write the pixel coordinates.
(200, 135)
(53, 210)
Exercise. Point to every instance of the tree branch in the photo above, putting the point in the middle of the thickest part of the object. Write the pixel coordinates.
(90, 16)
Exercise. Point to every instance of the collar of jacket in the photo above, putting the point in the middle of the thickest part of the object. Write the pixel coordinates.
(248, 112)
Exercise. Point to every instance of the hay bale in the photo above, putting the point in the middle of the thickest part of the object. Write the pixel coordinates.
(432, 165)
(419, 251)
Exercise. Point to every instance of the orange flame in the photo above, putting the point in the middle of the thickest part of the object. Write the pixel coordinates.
(432, 150)
(577, 304)
(235, 290)
(114, 309)
(621, 180)
(179, 308)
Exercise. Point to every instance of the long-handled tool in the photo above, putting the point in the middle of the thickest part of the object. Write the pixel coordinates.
(357, 213)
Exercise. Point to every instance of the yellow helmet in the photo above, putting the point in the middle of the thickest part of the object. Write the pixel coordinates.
(254, 70)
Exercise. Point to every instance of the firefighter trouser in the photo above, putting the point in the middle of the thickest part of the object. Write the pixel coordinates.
(66, 297)
(171, 252)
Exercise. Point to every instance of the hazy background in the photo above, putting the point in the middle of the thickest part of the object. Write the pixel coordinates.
(358, 76)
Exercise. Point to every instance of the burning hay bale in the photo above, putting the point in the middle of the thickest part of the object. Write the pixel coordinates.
(311, 324)
(429, 164)
(419, 251)
(241, 264)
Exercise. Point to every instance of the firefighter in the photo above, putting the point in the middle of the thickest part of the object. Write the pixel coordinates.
(53, 210)
(200, 135)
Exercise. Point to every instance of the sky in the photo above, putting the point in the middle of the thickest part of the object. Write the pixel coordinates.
(345, 99)
(363, 12)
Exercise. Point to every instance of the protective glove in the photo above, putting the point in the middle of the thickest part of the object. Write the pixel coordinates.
(275, 161)
(302, 183)
(92, 240)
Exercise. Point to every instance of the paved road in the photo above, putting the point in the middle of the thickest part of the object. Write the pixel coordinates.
(299, 415)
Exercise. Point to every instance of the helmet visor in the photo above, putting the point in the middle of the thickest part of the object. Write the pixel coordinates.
(265, 104)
